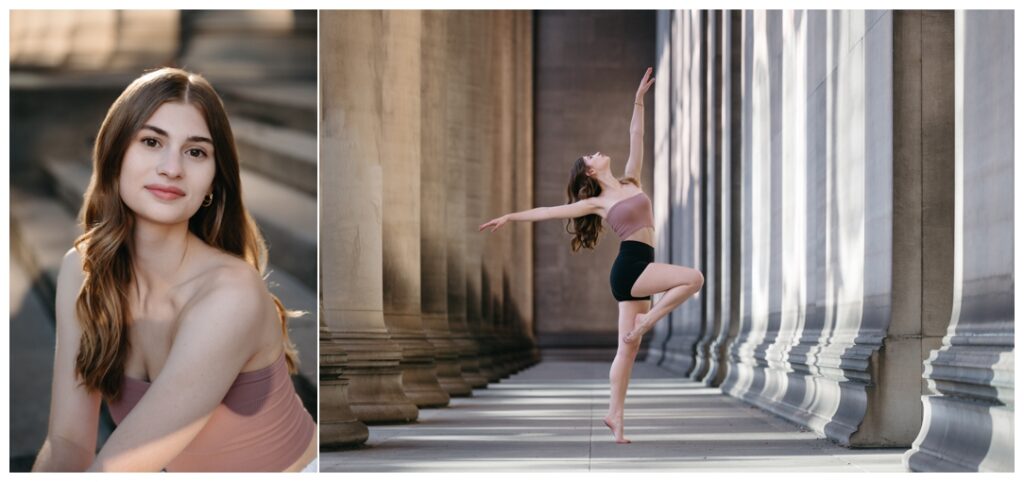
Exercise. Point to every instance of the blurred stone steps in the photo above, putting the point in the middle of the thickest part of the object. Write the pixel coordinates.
(49, 222)
(291, 104)
(283, 154)
(257, 44)
(286, 216)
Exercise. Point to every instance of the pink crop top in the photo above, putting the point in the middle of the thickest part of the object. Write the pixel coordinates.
(631, 214)
(260, 425)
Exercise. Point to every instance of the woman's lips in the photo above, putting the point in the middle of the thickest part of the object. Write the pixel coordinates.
(167, 193)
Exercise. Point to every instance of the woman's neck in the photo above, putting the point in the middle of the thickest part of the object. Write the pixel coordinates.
(159, 252)
(607, 181)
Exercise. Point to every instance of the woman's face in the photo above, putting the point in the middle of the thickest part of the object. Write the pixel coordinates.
(169, 166)
(596, 162)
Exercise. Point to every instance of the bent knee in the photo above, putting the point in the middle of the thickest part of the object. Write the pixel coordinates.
(698, 279)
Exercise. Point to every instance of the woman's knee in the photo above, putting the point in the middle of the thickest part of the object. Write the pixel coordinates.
(698, 279)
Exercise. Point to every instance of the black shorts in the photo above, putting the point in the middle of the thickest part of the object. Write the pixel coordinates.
(633, 257)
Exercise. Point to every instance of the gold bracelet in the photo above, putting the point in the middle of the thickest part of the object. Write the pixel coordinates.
(637, 103)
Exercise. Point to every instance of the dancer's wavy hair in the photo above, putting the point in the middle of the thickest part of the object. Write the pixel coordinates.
(106, 247)
(585, 229)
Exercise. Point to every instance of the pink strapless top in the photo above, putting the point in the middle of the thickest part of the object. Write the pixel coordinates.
(259, 426)
(631, 214)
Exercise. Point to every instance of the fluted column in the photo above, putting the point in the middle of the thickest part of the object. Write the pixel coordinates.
(400, 161)
(339, 426)
(968, 409)
(673, 341)
(351, 224)
(433, 205)
(711, 161)
(728, 200)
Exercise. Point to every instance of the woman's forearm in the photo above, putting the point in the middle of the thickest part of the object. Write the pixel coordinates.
(58, 455)
(636, 124)
(535, 214)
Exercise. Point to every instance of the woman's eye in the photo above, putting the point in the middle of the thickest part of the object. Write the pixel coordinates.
(196, 152)
(150, 142)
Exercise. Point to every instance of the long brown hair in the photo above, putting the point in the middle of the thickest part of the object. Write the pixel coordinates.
(106, 245)
(585, 229)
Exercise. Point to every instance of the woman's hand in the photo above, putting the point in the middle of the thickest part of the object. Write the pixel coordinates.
(495, 223)
(645, 84)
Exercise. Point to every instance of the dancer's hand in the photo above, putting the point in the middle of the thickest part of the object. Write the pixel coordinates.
(644, 84)
(495, 223)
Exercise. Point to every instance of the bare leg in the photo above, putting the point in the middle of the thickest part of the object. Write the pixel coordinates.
(622, 368)
(678, 282)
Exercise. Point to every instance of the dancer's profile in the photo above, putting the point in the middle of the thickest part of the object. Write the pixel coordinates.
(595, 193)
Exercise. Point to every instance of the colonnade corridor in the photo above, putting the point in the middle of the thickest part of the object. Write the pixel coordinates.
(548, 418)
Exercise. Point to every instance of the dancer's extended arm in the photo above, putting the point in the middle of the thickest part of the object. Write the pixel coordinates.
(636, 128)
(577, 209)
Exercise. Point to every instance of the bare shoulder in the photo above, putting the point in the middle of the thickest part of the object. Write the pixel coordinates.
(231, 290)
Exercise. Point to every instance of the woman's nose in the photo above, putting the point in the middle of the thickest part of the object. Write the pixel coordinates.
(170, 165)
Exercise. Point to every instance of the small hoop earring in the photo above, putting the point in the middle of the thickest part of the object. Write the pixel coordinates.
(208, 200)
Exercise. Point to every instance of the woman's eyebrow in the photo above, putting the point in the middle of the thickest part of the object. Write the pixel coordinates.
(165, 134)
(156, 129)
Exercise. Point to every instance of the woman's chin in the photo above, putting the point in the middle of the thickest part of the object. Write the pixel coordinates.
(165, 217)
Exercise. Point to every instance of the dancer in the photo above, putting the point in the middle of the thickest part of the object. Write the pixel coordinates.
(161, 306)
(595, 193)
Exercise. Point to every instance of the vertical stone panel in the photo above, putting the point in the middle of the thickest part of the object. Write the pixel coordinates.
(433, 201)
(968, 412)
(351, 224)
(588, 66)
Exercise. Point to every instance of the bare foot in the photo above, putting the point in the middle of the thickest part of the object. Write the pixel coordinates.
(639, 329)
(616, 431)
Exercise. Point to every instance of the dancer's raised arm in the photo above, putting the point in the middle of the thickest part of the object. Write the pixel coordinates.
(577, 209)
(636, 128)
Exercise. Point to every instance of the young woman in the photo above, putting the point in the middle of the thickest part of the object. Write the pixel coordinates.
(162, 309)
(595, 193)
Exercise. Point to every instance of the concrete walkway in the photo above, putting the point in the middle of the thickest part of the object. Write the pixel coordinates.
(548, 418)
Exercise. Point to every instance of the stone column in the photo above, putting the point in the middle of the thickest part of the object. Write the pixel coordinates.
(433, 200)
(478, 36)
(673, 341)
(400, 161)
(461, 152)
(831, 324)
(968, 409)
(339, 427)
(521, 278)
(711, 162)
(727, 207)
(350, 223)
(666, 72)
